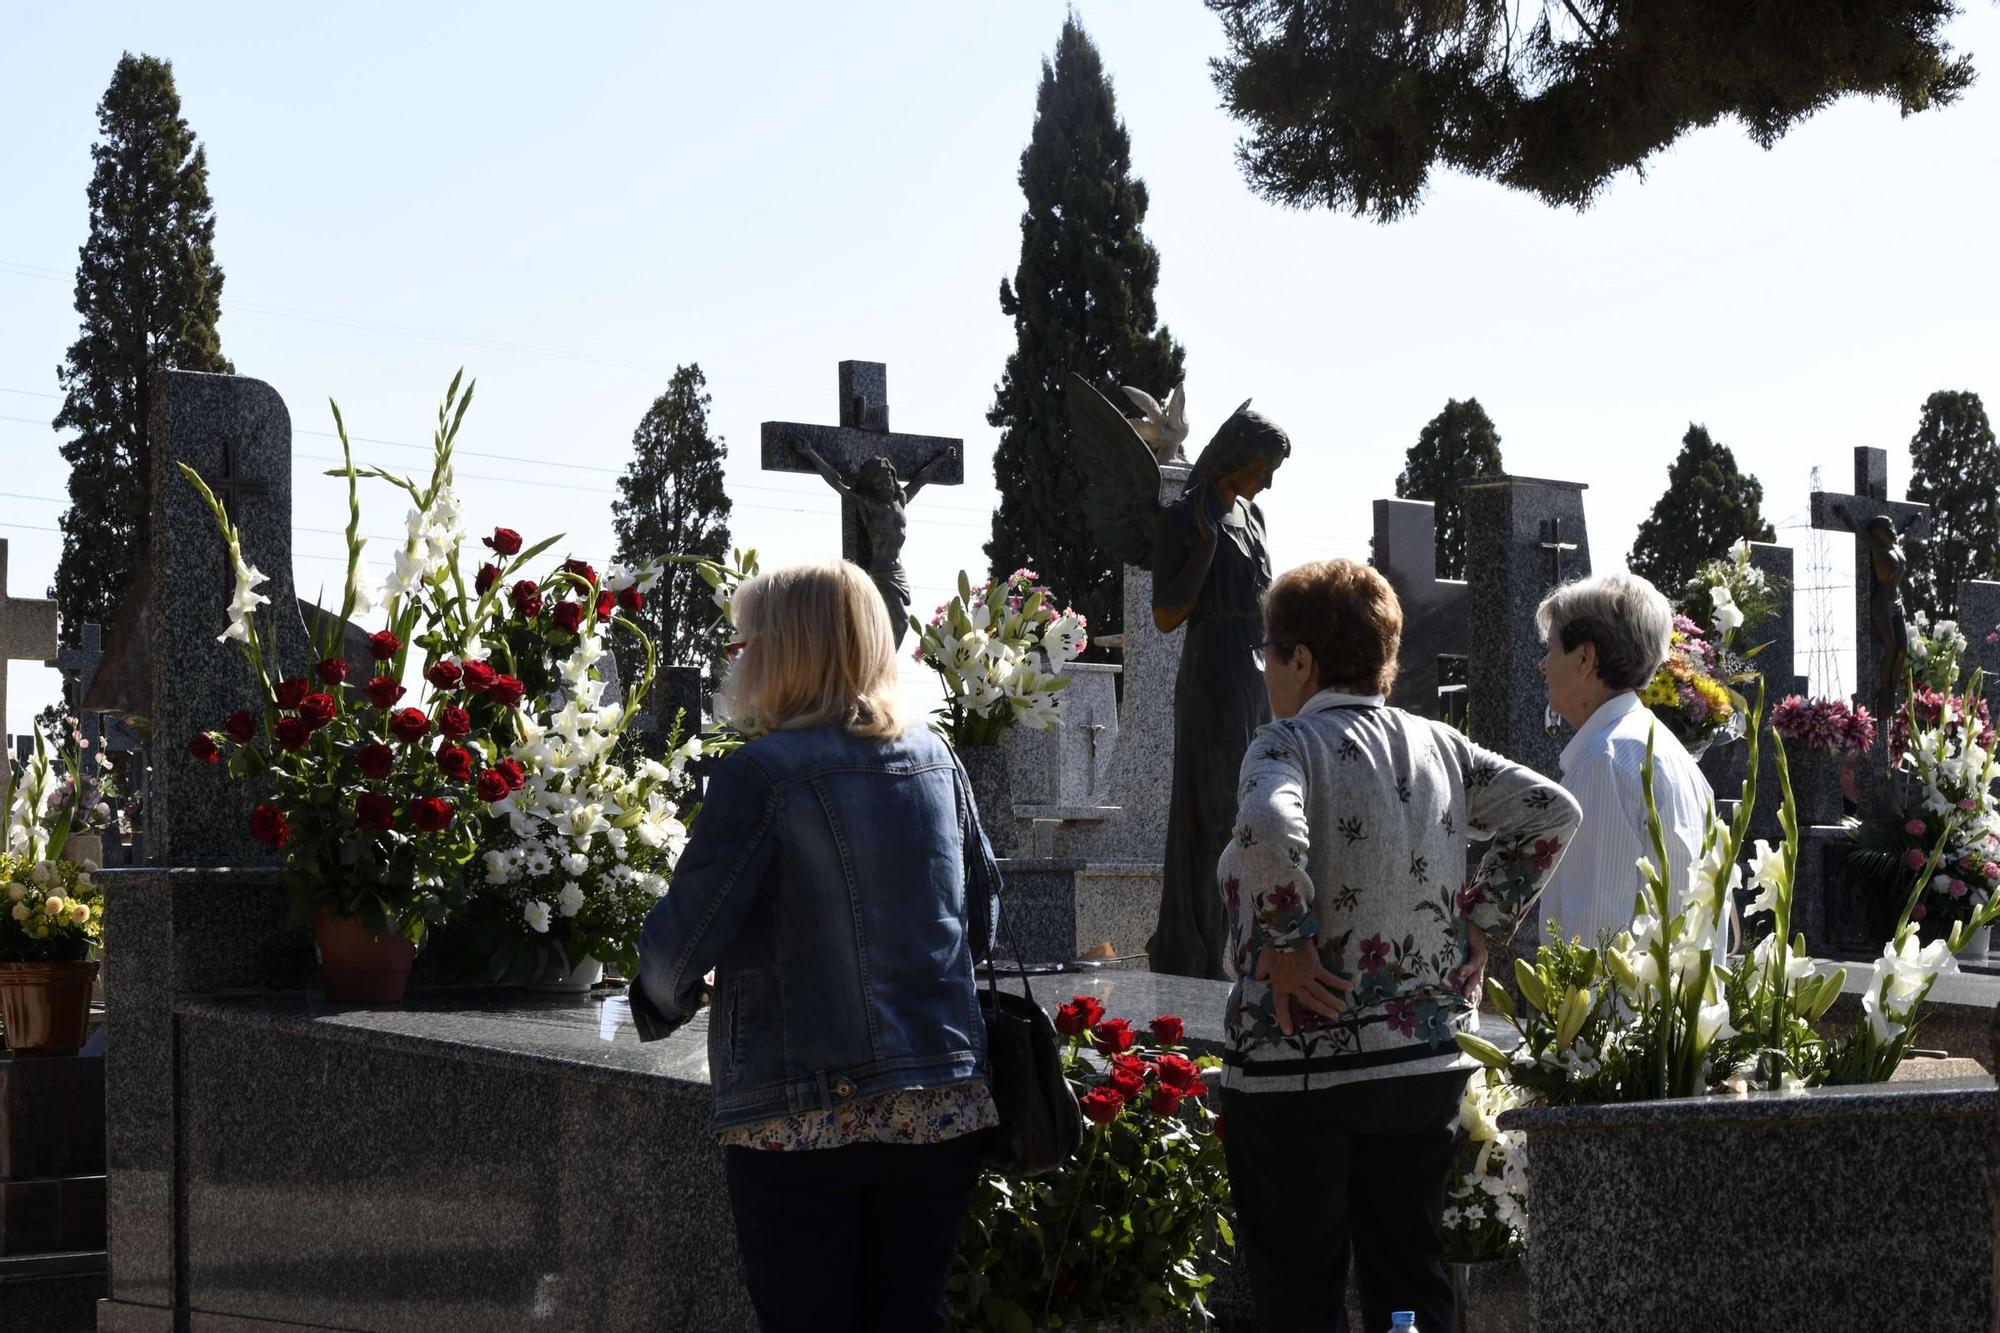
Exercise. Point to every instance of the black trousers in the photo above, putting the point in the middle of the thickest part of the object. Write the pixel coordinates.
(1359, 1169)
(851, 1240)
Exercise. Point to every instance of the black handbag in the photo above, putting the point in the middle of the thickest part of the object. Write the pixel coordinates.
(1040, 1121)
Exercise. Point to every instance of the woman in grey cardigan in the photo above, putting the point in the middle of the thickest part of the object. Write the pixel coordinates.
(1358, 942)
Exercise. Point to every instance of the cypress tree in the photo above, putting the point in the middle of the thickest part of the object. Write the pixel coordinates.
(1081, 300)
(149, 291)
(1709, 506)
(1955, 469)
(1457, 445)
(671, 502)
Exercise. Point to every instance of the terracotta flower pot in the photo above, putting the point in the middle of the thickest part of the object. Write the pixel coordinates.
(46, 1006)
(357, 967)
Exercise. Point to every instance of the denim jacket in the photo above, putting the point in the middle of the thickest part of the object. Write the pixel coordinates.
(841, 888)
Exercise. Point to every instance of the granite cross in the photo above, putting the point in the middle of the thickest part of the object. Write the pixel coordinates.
(863, 433)
(27, 631)
(1834, 512)
(228, 483)
(79, 663)
(1554, 544)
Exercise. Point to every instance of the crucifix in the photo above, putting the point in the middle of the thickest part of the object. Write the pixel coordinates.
(228, 484)
(1881, 632)
(875, 472)
(79, 664)
(1556, 547)
(27, 631)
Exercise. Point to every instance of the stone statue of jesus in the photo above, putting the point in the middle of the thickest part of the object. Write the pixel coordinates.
(880, 499)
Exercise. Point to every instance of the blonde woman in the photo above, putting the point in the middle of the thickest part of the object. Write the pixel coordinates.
(838, 883)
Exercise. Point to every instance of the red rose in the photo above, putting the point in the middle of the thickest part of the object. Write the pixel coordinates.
(511, 770)
(607, 602)
(1165, 1101)
(568, 615)
(1168, 1030)
(241, 726)
(444, 674)
(290, 691)
(1179, 1073)
(409, 726)
(1093, 1012)
(203, 748)
(479, 677)
(293, 732)
(1069, 1019)
(582, 569)
(268, 826)
(454, 721)
(1131, 1063)
(375, 760)
(383, 691)
(1112, 1036)
(316, 710)
(382, 645)
(374, 810)
(454, 761)
(504, 541)
(506, 691)
(332, 671)
(430, 813)
(492, 786)
(527, 595)
(1101, 1105)
(1127, 1084)
(487, 576)
(632, 599)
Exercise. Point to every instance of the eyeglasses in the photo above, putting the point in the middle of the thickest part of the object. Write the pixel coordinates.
(732, 651)
(1257, 651)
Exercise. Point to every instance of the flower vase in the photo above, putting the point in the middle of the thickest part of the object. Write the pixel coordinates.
(85, 850)
(45, 1007)
(560, 978)
(993, 793)
(1815, 775)
(1978, 945)
(357, 966)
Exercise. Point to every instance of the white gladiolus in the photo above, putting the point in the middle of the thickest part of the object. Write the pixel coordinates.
(1767, 876)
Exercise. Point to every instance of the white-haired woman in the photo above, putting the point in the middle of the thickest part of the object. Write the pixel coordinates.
(1606, 638)
(839, 884)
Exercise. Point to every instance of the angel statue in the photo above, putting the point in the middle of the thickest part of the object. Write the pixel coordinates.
(1210, 569)
(880, 498)
(1886, 563)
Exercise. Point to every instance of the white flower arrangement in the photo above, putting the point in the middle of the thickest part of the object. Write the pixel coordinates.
(997, 647)
(1486, 1204)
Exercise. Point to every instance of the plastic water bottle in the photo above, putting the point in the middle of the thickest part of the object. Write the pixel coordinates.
(1404, 1319)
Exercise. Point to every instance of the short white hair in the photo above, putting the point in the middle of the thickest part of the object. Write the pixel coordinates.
(1628, 620)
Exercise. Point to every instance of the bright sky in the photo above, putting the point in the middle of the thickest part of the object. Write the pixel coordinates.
(570, 202)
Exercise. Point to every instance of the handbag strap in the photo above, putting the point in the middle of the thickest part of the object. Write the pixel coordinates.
(985, 914)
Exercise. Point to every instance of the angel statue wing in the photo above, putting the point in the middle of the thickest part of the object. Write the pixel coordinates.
(1121, 495)
(1164, 429)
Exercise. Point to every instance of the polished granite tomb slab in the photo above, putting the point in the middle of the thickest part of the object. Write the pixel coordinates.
(1801, 1212)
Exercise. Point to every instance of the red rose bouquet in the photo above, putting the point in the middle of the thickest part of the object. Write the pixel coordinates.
(1135, 1223)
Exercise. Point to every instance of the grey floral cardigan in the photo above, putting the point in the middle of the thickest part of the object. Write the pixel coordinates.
(1351, 830)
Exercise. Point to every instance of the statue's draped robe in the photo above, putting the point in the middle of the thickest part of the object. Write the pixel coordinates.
(1219, 703)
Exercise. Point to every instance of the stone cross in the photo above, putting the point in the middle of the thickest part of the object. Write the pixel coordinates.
(78, 663)
(863, 433)
(1434, 609)
(27, 631)
(1870, 498)
(229, 482)
(1517, 531)
(235, 430)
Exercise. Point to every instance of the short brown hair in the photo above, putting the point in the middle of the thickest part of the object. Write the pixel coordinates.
(817, 648)
(1347, 614)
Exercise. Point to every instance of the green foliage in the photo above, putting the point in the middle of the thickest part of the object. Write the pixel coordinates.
(1955, 469)
(1457, 445)
(1081, 300)
(149, 290)
(1708, 507)
(671, 500)
(1350, 105)
(1133, 1228)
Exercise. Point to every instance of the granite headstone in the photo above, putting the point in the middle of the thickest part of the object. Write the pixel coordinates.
(27, 631)
(1435, 610)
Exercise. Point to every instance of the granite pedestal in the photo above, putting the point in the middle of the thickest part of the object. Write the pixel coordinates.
(1770, 1212)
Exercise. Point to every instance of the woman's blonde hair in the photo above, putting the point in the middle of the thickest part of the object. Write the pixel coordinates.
(817, 649)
